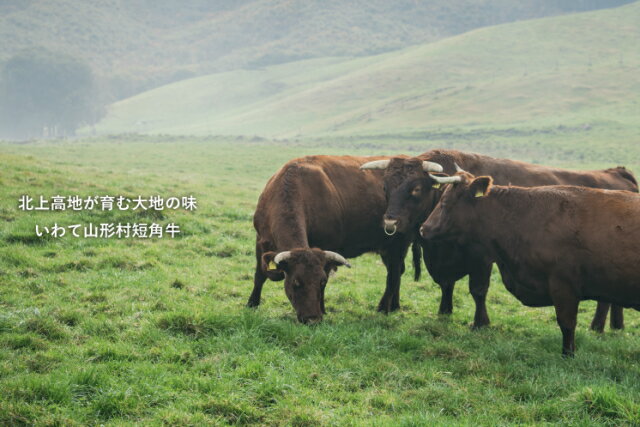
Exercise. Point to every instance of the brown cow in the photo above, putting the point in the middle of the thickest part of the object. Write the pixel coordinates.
(411, 198)
(322, 202)
(554, 245)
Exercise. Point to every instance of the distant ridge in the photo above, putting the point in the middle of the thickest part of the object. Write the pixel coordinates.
(559, 71)
(136, 45)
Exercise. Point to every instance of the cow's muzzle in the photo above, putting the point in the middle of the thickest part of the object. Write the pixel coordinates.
(390, 226)
(311, 320)
(430, 233)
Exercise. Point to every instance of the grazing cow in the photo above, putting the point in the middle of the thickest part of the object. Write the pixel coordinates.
(554, 245)
(411, 197)
(323, 202)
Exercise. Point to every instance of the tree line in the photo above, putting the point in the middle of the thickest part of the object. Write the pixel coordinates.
(46, 94)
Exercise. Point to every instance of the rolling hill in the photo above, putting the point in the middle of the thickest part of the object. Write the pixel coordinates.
(579, 70)
(141, 44)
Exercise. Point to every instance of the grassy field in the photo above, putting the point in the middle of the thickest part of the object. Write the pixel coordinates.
(567, 72)
(123, 332)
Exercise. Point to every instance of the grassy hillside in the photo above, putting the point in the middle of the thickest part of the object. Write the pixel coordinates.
(140, 44)
(141, 332)
(579, 71)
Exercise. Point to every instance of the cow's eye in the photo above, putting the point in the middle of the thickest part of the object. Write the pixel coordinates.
(416, 191)
(297, 283)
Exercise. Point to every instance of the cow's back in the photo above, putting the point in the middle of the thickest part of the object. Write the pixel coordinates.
(322, 201)
(513, 172)
(590, 237)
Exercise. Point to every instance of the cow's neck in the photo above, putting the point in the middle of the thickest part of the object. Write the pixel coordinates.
(433, 202)
(290, 232)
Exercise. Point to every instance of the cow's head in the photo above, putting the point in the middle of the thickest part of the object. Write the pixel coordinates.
(410, 191)
(452, 218)
(305, 276)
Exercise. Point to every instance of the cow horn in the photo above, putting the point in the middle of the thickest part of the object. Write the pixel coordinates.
(282, 256)
(446, 179)
(333, 256)
(376, 164)
(431, 167)
(458, 168)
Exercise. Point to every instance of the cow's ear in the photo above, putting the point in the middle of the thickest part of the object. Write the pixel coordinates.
(481, 186)
(268, 264)
(332, 266)
(334, 260)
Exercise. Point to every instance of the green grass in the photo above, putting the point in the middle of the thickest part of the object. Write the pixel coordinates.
(124, 332)
(567, 73)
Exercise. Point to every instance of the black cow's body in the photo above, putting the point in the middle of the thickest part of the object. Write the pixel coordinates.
(412, 198)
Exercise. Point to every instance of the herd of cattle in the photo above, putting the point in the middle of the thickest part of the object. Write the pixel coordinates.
(557, 236)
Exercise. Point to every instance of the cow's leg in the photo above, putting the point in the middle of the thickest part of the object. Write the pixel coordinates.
(258, 279)
(395, 300)
(617, 317)
(393, 260)
(478, 287)
(566, 305)
(446, 300)
(600, 317)
(566, 315)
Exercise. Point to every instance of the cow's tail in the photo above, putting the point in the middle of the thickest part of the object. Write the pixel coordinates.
(626, 174)
(416, 251)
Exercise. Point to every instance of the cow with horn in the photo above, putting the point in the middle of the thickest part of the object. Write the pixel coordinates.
(413, 194)
(554, 245)
(312, 215)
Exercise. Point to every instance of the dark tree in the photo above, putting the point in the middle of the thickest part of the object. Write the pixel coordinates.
(45, 94)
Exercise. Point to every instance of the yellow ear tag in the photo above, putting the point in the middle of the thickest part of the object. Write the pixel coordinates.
(436, 185)
(272, 266)
(479, 193)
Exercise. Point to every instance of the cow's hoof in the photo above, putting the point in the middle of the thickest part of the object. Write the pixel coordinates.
(253, 304)
(476, 326)
(383, 308)
(617, 324)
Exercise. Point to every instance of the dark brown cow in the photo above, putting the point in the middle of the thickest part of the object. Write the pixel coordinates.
(412, 197)
(322, 202)
(554, 245)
